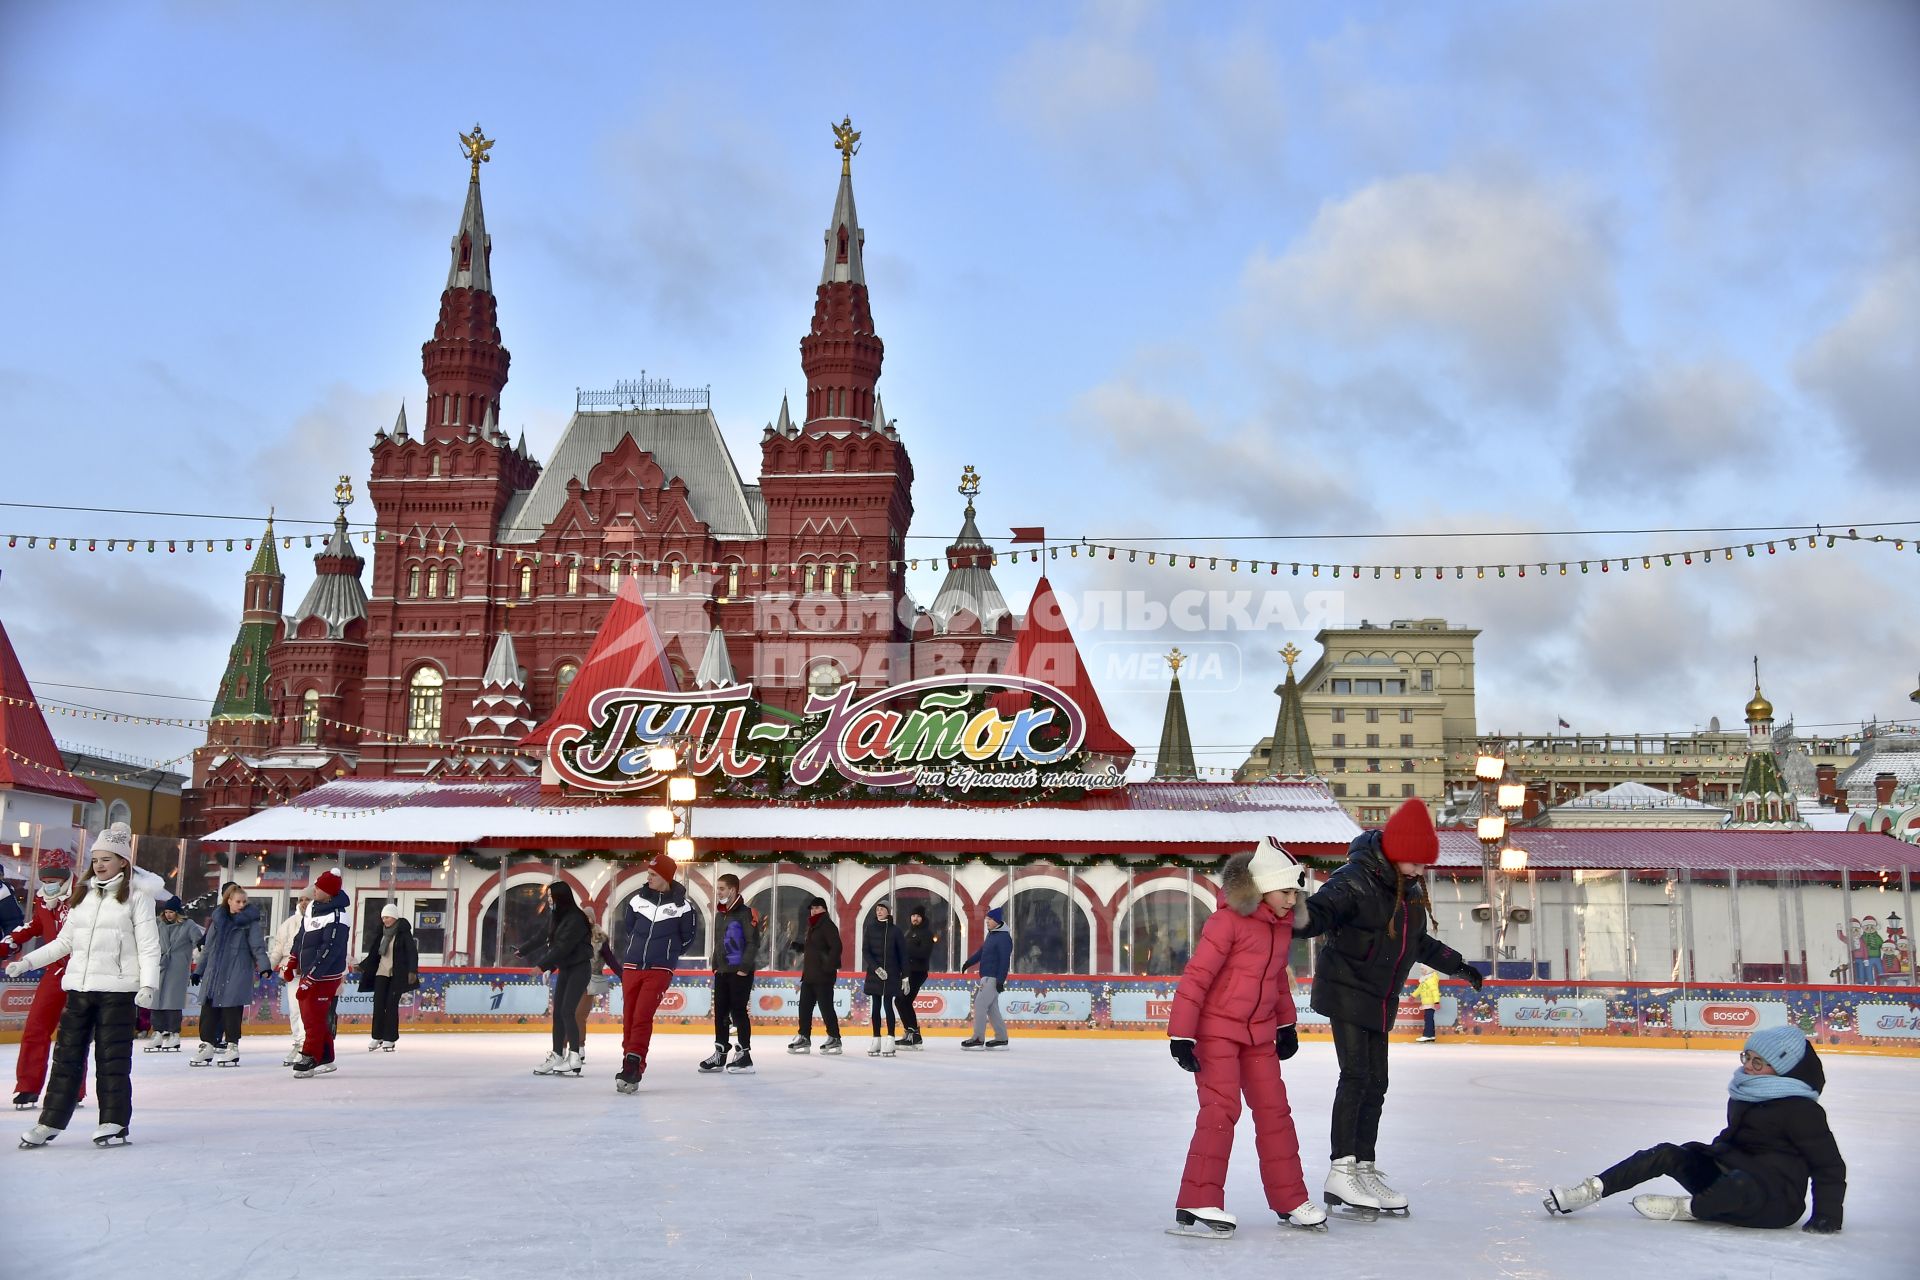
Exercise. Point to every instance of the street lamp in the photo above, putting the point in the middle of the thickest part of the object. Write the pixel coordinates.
(1498, 802)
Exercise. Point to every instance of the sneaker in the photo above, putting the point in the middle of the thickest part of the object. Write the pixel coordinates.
(1578, 1196)
(800, 1044)
(742, 1064)
(831, 1046)
(715, 1061)
(973, 1042)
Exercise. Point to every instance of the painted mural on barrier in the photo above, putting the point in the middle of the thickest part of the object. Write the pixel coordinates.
(1886, 1016)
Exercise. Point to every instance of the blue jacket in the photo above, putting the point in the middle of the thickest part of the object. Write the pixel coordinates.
(662, 928)
(736, 939)
(235, 955)
(995, 956)
(322, 952)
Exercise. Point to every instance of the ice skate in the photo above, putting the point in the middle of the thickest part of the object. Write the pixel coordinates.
(38, 1136)
(572, 1065)
(170, 1042)
(911, 1040)
(742, 1064)
(374, 1046)
(1392, 1202)
(292, 1057)
(312, 1069)
(159, 1044)
(715, 1061)
(886, 1046)
(973, 1042)
(202, 1056)
(873, 1050)
(1206, 1224)
(229, 1056)
(550, 1065)
(110, 1135)
(25, 1101)
(1308, 1216)
(1348, 1192)
(627, 1080)
(1423, 1039)
(1578, 1196)
(996, 1044)
(799, 1044)
(1664, 1208)
(831, 1046)
(387, 1047)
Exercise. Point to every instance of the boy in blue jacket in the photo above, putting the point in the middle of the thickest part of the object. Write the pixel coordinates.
(995, 958)
(661, 930)
(320, 958)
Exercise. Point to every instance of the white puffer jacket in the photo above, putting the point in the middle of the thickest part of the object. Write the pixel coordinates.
(115, 945)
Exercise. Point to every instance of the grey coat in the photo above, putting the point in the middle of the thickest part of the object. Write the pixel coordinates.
(177, 943)
(236, 954)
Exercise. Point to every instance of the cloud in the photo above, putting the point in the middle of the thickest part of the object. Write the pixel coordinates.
(1661, 427)
(1505, 272)
(1866, 370)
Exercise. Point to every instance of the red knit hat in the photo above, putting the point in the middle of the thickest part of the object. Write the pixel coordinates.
(328, 883)
(1409, 835)
(663, 866)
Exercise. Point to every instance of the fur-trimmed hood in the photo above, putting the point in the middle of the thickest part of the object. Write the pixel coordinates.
(1236, 884)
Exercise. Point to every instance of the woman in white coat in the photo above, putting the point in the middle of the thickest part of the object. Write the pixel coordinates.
(113, 945)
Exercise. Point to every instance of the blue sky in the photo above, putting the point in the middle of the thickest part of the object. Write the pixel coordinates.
(1156, 270)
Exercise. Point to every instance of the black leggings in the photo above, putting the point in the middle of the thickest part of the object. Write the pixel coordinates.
(104, 1020)
(1362, 1090)
(568, 984)
(1732, 1196)
(882, 1002)
(220, 1024)
(908, 1018)
(730, 992)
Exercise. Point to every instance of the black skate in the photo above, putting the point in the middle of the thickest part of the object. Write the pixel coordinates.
(996, 1044)
(742, 1064)
(1204, 1224)
(628, 1078)
(973, 1042)
(25, 1101)
(715, 1061)
(831, 1046)
(110, 1135)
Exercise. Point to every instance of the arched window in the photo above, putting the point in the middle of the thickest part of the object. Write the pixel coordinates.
(784, 921)
(423, 704)
(808, 588)
(119, 812)
(434, 469)
(526, 924)
(1041, 917)
(828, 464)
(733, 581)
(823, 677)
(847, 572)
(673, 575)
(433, 581)
(526, 581)
(563, 677)
(413, 582)
(950, 945)
(453, 582)
(1157, 934)
(613, 578)
(826, 579)
(310, 716)
(622, 923)
(573, 578)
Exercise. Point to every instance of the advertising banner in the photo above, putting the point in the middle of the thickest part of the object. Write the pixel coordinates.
(779, 999)
(1140, 1006)
(1533, 1013)
(1900, 1021)
(1728, 1017)
(1055, 1004)
(526, 999)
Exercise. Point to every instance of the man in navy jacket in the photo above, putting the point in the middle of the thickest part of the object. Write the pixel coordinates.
(995, 958)
(661, 930)
(321, 959)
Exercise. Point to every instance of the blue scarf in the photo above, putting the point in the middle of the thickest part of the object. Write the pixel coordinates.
(1746, 1088)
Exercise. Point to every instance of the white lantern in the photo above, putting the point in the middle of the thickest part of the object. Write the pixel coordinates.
(680, 848)
(1492, 828)
(680, 790)
(662, 759)
(1513, 795)
(1512, 859)
(660, 820)
(1489, 768)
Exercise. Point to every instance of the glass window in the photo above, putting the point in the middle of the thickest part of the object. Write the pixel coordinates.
(526, 914)
(453, 582)
(423, 705)
(1340, 788)
(119, 812)
(413, 582)
(1373, 788)
(1406, 740)
(1339, 715)
(1366, 686)
(1373, 739)
(807, 589)
(1157, 934)
(823, 678)
(785, 921)
(613, 578)
(1373, 715)
(1041, 918)
(733, 581)
(562, 677)
(1406, 788)
(1343, 686)
(1426, 682)
(1396, 686)
(433, 581)
(1406, 715)
(673, 575)
(310, 716)
(526, 580)
(1339, 739)
(948, 936)
(573, 578)
(1373, 764)
(1406, 766)
(1339, 764)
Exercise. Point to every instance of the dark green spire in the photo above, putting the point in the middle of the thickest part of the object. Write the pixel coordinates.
(1291, 755)
(1176, 742)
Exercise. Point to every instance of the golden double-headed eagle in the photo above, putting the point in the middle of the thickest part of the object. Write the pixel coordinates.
(846, 140)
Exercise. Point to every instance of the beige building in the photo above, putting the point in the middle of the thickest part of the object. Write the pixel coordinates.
(1380, 705)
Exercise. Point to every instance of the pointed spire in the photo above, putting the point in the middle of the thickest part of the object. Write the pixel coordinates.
(716, 667)
(1176, 741)
(266, 560)
(29, 758)
(520, 446)
(846, 242)
(879, 414)
(400, 423)
(336, 597)
(969, 587)
(503, 668)
(472, 246)
(1291, 755)
(783, 425)
(489, 425)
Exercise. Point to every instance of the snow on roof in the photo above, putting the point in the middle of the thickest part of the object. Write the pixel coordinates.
(1704, 849)
(1635, 795)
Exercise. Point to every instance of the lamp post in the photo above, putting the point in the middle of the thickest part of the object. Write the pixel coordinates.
(674, 820)
(1497, 800)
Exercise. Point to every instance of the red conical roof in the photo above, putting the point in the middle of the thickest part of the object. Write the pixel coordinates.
(29, 761)
(627, 654)
(1043, 649)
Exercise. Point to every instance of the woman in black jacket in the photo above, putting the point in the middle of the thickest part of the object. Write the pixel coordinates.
(919, 940)
(568, 955)
(819, 968)
(885, 959)
(390, 969)
(1755, 1174)
(1371, 916)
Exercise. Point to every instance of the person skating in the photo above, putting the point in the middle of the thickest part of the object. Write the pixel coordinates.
(568, 955)
(233, 959)
(390, 969)
(179, 939)
(819, 971)
(281, 950)
(112, 943)
(321, 961)
(12, 913)
(1427, 991)
(736, 945)
(662, 928)
(1756, 1173)
(51, 904)
(995, 958)
(1232, 1024)
(884, 956)
(1371, 916)
(919, 940)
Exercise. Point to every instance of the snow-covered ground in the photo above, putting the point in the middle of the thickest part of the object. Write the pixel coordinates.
(1055, 1158)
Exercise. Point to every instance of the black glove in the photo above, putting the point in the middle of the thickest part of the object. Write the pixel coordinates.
(196, 979)
(1286, 1042)
(1182, 1051)
(1467, 973)
(796, 945)
(1821, 1225)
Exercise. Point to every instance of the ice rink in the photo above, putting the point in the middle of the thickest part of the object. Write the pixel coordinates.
(1058, 1157)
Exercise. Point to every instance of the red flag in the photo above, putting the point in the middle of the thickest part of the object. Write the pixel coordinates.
(1028, 533)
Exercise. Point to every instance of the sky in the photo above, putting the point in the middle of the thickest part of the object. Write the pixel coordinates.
(1196, 276)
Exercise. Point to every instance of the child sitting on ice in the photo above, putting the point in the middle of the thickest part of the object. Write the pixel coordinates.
(1755, 1173)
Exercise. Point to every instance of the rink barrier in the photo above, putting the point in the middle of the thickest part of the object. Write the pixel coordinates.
(1643, 1015)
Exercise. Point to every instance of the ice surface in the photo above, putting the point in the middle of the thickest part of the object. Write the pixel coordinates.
(1056, 1158)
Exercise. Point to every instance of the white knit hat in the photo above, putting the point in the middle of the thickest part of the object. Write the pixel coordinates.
(1274, 868)
(391, 909)
(116, 839)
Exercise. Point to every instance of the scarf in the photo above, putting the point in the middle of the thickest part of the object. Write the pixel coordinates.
(1746, 1088)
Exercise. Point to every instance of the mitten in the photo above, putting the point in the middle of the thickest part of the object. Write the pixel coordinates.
(144, 997)
(1821, 1225)
(1182, 1051)
(1286, 1041)
(195, 979)
(17, 968)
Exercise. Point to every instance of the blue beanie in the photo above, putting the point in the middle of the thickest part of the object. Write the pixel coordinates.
(998, 915)
(1780, 1047)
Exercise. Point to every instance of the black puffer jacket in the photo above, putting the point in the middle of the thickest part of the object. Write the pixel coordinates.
(820, 951)
(919, 940)
(883, 950)
(1784, 1143)
(569, 934)
(1361, 967)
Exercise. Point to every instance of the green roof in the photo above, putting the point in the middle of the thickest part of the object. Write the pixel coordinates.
(266, 559)
(243, 689)
(1291, 755)
(1176, 740)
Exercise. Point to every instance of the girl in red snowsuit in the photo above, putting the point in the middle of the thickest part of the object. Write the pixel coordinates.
(49, 997)
(1232, 1023)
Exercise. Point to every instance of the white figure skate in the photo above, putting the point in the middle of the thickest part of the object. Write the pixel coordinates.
(1203, 1224)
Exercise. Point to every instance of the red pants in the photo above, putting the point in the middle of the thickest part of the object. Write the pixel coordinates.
(1226, 1071)
(315, 996)
(36, 1042)
(640, 992)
